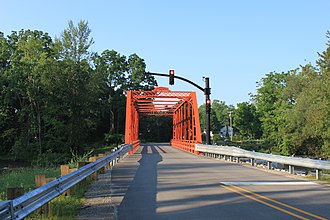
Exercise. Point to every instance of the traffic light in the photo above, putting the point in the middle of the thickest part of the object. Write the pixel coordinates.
(171, 78)
(208, 105)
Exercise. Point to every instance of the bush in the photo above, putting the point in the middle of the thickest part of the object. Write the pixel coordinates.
(75, 158)
(217, 139)
(50, 159)
(112, 138)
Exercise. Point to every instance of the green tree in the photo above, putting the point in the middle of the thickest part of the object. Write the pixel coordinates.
(55, 96)
(219, 115)
(29, 54)
(137, 79)
(323, 63)
(76, 42)
(7, 119)
(156, 129)
(222, 111)
(246, 120)
(296, 99)
(119, 74)
(267, 99)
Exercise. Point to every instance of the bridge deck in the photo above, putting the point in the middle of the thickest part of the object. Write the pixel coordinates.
(161, 182)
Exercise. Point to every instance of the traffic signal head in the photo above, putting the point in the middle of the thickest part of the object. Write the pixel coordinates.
(208, 105)
(171, 77)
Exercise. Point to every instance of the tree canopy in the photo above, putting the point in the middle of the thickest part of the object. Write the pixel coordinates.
(290, 110)
(294, 108)
(56, 95)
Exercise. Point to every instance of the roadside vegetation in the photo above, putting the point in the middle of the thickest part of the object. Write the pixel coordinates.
(62, 207)
(289, 112)
(57, 96)
(61, 102)
(23, 177)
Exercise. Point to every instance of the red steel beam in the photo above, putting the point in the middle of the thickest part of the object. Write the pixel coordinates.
(181, 106)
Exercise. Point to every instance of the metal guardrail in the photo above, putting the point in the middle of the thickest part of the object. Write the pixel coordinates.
(240, 153)
(28, 203)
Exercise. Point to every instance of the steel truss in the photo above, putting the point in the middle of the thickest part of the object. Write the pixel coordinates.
(181, 106)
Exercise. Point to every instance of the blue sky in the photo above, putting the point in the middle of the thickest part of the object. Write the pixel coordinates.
(235, 43)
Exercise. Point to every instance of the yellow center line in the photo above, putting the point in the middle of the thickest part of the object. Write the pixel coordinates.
(281, 203)
(265, 203)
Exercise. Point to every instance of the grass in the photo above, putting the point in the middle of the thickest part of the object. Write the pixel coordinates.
(101, 149)
(62, 207)
(65, 207)
(325, 178)
(23, 177)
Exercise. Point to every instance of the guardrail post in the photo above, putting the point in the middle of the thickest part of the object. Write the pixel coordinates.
(14, 192)
(40, 180)
(291, 169)
(7, 209)
(102, 170)
(64, 169)
(318, 174)
(253, 162)
(269, 165)
(108, 166)
(11, 208)
(113, 162)
(93, 159)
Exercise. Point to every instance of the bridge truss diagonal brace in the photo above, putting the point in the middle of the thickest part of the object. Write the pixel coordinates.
(186, 125)
(181, 106)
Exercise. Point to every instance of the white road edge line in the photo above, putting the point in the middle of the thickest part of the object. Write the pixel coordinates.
(267, 183)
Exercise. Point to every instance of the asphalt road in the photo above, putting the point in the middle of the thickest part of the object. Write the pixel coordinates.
(161, 182)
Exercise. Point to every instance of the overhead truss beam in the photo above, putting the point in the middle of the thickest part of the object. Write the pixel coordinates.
(181, 106)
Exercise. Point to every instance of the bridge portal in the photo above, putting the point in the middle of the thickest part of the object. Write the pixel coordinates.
(180, 105)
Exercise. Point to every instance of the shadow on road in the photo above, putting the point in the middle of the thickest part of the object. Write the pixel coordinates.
(140, 199)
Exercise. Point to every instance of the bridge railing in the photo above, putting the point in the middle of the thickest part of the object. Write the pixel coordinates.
(186, 145)
(135, 146)
(22, 206)
(218, 151)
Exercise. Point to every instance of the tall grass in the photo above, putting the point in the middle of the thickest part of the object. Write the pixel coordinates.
(23, 177)
(62, 207)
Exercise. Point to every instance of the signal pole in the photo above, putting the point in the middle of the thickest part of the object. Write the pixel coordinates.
(207, 92)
